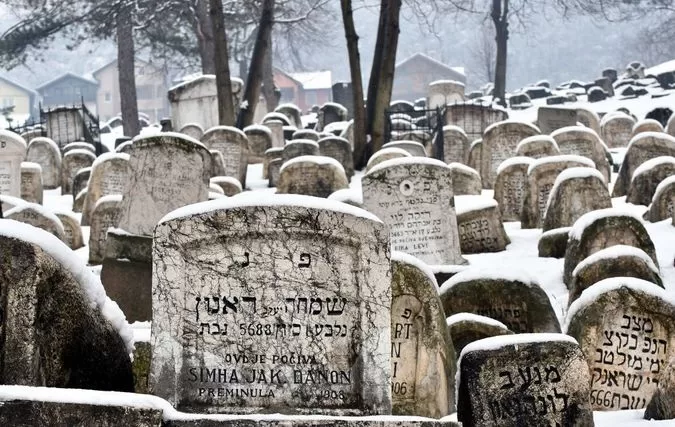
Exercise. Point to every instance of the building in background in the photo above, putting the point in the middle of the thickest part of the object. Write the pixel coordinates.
(22, 101)
(68, 90)
(304, 89)
(413, 75)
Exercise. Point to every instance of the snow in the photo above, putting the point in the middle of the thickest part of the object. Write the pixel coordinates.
(314, 80)
(589, 218)
(464, 168)
(445, 82)
(511, 121)
(665, 67)
(501, 341)
(567, 129)
(258, 128)
(519, 160)
(215, 188)
(647, 135)
(474, 143)
(651, 164)
(81, 152)
(141, 331)
(555, 231)
(404, 161)
(318, 160)
(38, 208)
(405, 258)
(213, 195)
(31, 166)
(662, 186)
(537, 138)
(227, 179)
(454, 128)
(614, 252)
(470, 317)
(9, 135)
(390, 150)
(335, 127)
(469, 203)
(91, 284)
(562, 158)
(302, 141)
(399, 142)
(573, 173)
(614, 114)
(647, 122)
(49, 141)
(184, 136)
(117, 198)
(347, 195)
(108, 156)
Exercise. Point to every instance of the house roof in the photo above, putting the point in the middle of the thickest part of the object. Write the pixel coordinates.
(420, 56)
(63, 76)
(279, 70)
(17, 85)
(114, 61)
(314, 79)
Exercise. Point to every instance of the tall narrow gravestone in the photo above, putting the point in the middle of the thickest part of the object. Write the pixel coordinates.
(12, 153)
(500, 141)
(277, 305)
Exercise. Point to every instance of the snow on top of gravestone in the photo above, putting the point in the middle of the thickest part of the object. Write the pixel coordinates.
(258, 128)
(66, 212)
(142, 331)
(495, 343)
(39, 209)
(454, 128)
(614, 115)
(117, 198)
(463, 167)
(123, 145)
(614, 252)
(470, 317)
(643, 122)
(215, 188)
(151, 131)
(470, 203)
(192, 124)
(109, 156)
(511, 122)
(561, 158)
(302, 141)
(336, 127)
(560, 230)
(213, 195)
(31, 166)
(402, 101)
(529, 139)
(508, 272)
(573, 173)
(6, 135)
(91, 284)
(404, 161)
(182, 136)
(251, 198)
(646, 135)
(592, 293)
(227, 179)
(347, 195)
(403, 142)
(663, 185)
(476, 142)
(405, 258)
(389, 150)
(511, 161)
(287, 105)
(651, 164)
(589, 218)
(567, 129)
(81, 152)
(318, 160)
(49, 142)
(444, 82)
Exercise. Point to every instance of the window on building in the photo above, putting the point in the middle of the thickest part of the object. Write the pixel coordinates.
(107, 97)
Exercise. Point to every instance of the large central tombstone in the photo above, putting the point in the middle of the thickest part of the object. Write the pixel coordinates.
(414, 197)
(276, 305)
(12, 153)
(499, 143)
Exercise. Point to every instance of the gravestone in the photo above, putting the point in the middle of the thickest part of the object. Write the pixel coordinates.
(581, 141)
(643, 147)
(663, 202)
(537, 146)
(317, 176)
(617, 129)
(124, 147)
(625, 327)
(413, 196)
(647, 177)
(217, 163)
(456, 145)
(33, 133)
(73, 161)
(31, 182)
(647, 125)
(386, 154)
(670, 126)
(228, 185)
(12, 153)
(474, 119)
(330, 112)
(270, 154)
(465, 180)
(466, 328)
(553, 243)
(193, 130)
(422, 356)
(71, 229)
(339, 149)
(80, 181)
(217, 189)
(306, 134)
(596, 94)
(499, 143)
(269, 117)
(46, 153)
(64, 124)
(550, 119)
(444, 92)
(276, 127)
(511, 296)
(106, 214)
(475, 153)
(299, 147)
(541, 176)
(588, 118)
(234, 146)
(259, 140)
(273, 171)
(480, 225)
(292, 113)
(37, 216)
(78, 202)
(109, 175)
(524, 380)
(510, 187)
(78, 146)
(576, 191)
(412, 147)
(313, 343)
(167, 171)
(343, 94)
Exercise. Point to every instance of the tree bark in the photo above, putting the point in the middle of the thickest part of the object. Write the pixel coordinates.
(375, 68)
(126, 72)
(268, 88)
(223, 80)
(204, 32)
(255, 70)
(500, 18)
(359, 126)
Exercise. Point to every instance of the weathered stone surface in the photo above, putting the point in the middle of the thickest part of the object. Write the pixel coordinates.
(496, 386)
(109, 176)
(414, 197)
(663, 202)
(412, 147)
(80, 181)
(330, 112)
(217, 163)
(550, 119)
(124, 147)
(228, 185)
(475, 153)
(259, 141)
(309, 421)
(72, 230)
(576, 191)
(78, 203)
(499, 143)
(339, 149)
(316, 176)
(466, 328)
(106, 214)
(581, 141)
(465, 180)
(56, 326)
(384, 155)
(553, 243)
(614, 261)
(645, 146)
(306, 134)
(12, 153)
(662, 404)
(647, 125)
(31, 182)
(141, 366)
(598, 230)
(273, 171)
(271, 154)
(46, 153)
(299, 147)
(480, 225)
(456, 145)
(589, 118)
(37, 216)
(318, 341)
(473, 118)
(647, 177)
(617, 129)
(233, 144)
(516, 300)
(541, 176)
(276, 116)
(537, 146)
(422, 355)
(73, 161)
(193, 130)
(510, 186)
(625, 327)
(292, 113)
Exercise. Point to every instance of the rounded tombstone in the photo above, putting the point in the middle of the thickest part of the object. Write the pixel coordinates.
(412, 147)
(512, 296)
(227, 184)
(71, 228)
(234, 146)
(306, 134)
(348, 132)
(330, 112)
(645, 146)
(670, 126)
(273, 171)
(33, 133)
(317, 176)
(339, 149)
(37, 216)
(480, 225)
(537, 146)
(475, 153)
(125, 147)
(299, 147)
(276, 127)
(193, 130)
(288, 132)
(580, 141)
(334, 129)
(616, 129)
(661, 405)
(270, 154)
(589, 118)
(553, 243)
(385, 154)
(31, 182)
(510, 186)
(12, 153)
(348, 196)
(292, 113)
(465, 180)
(73, 161)
(79, 199)
(663, 202)
(9, 202)
(109, 175)
(647, 125)
(422, 356)
(80, 181)
(625, 327)
(601, 229)
(217, 189)
(596, 94)
(576, 191)
(259, 141)
(499, 143)
(444, 92)
(217, 163)
(106, 214)
(614, 261)
(276, 116)
(541, 176)
(421, 136)
(465, 328)
(46, 153)
(456, 145)
(401, 106)
(78, 146)
(647, 177)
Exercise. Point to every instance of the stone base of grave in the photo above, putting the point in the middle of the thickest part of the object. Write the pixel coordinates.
(127, 274)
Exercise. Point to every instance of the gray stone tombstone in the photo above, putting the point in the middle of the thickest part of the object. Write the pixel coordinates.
(384, 155)
(499, 143)
(550, 119)
(466, 328)
(306, 134)
(510, 187)
(193, 130)
(581, 141)
(643, 147)
(330, 112)
(538, 146)
(589, 118)
(46, 153)
(553, 243)
(270, 154)
(124, 147)
(475, 153)
(274, 171)
(413, 196)
(317, 342)
(339, 149)
(292, 113)
(80, 181)
(317, 176)
(456, 145)
(277, 129)
(663, 202)
(31, 182)
(12, 153)
(412, 147)
(73, 161)
(465, 180)
(233, 144)
(106, 214)
(300, 147)
(259, 141)
(647, 177)
(71, 229)
(473, 118)
(647, 125)
(278, 117)
(78, 146)
(64, 124)
(670, 126)
(616, 129)
(109, 175)
(228, 185)
(217, 163)
(37, 216)
(480, 225)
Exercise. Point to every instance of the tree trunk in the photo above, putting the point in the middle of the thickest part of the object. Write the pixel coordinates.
(223, 81)
(126, 73)
(268, 88)
(255, 70)
(204, 32)
(500, 18)
(375, 69)
(359, 126)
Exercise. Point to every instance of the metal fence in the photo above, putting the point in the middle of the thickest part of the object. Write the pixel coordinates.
(422, 125)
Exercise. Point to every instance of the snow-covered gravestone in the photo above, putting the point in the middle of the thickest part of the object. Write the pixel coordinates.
(510, 186)
(339, 149)
(537, 146)
(473, 118)
(626, 329)
(277, 129)
(414, 148)
(306, 134)
(647, 125)
(643, 147)
(330, 112)
(466, 328)
(276, 305)
(456, 145)
(616, 129)
(511, 296)
(233, 144)
(480, 225)
(259, 140)
(524, 380)
(413, 196)
(78, 146)
(229, 185)
(647, 177)
(270, 154)
(299, 147)
(316, 176)
(46, 153)
(37, 216)
(106, 214)
(292, 113)
(80, 181)
(550, 119)
(541, 176)
(589, 118)
(73, 161)
(274, 171)
(166, 171)
(71, 228)
(581, 141)
(444, 92)
(663, 202)
(465, 180)
(31, 182)
(670, 126)
(109, 175)
(422, 357)
(193, 130)
(59, 328)
(601, 229)
(384, 155)
(500, 141)
(576, 191)
(12, 153)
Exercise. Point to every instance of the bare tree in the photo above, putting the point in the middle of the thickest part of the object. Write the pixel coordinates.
(484, 54)
(223, 80)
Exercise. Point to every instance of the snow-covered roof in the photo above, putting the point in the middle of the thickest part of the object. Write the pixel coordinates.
(419, 55)
(63, 76)
(665, 67)
(17, 85)
(314, 79)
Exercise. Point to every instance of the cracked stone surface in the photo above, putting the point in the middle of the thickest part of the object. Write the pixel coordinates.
(31, 184)
(73, 162)
(45, 153)
(233, 145)
(499, 143)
